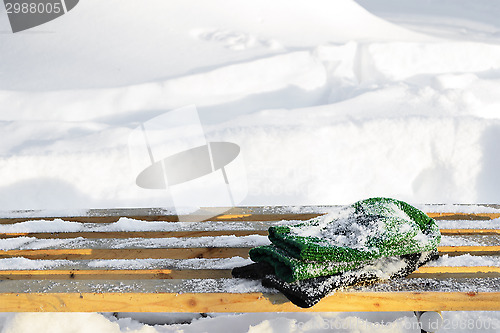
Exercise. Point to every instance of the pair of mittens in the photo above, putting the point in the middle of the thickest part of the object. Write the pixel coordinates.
(306, 293)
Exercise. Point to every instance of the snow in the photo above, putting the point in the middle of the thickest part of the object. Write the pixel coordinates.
(466, 260)
(238, 323)
(128, 224)
(450, 208)
(488, 224)
(331, 228)
(330, 101)
(32, 243)
(24, 263)
(365, 96)
(341, 322)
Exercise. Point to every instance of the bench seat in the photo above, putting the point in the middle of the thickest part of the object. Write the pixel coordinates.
(145, 260)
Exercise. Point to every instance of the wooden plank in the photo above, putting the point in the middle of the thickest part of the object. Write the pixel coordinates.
(193, 233)
(170, 218)
(134, 234)
(469, 232)
(464, 216)
(472, 250)
(445, 272)
(136, 274)
(114, 274)
(86, 219)
(266, 217)
(189, 253)
(144, 253)
(233, 214)
(249, 302)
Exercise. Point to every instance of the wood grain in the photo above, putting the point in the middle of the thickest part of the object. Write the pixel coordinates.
(144, 253)
(464, 216)
(233, 214)
(249, 302)
(472, 250)
(146, 274)
(459, 272)
(114, 274)
(469, 232)
(193, 233)
(190, 253)
(134, 234)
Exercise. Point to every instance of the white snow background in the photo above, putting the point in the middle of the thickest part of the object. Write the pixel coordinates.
(330, 102)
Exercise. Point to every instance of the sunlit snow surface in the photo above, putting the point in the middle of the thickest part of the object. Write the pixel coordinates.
(349, 107)
(330, 103)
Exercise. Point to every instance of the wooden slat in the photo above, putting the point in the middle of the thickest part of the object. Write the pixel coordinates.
(249, 302)
(134, 234)
(114, 274)
(136, 274)
(464, 216)
(469, 232)
(189, 253)
(171, 218)
(266, 217)
(442, 272)
(145, 253)
(472, 250)
(193, 233)
(234, 214)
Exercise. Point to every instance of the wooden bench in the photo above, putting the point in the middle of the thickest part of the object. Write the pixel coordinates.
(143, 260)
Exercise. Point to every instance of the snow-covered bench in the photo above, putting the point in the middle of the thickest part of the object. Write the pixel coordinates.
(142, 260)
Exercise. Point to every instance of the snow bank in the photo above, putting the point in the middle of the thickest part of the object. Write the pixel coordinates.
(360, 322)
(133, 44)
(458, 321)
(58, 322)
(431, 138)
(360, 110)
(222, 85)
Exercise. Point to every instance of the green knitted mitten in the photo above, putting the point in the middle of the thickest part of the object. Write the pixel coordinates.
(337, 242)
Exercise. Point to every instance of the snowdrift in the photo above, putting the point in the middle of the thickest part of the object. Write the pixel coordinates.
(360, 110)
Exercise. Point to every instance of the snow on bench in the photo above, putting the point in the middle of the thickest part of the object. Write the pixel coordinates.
(145, 260)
